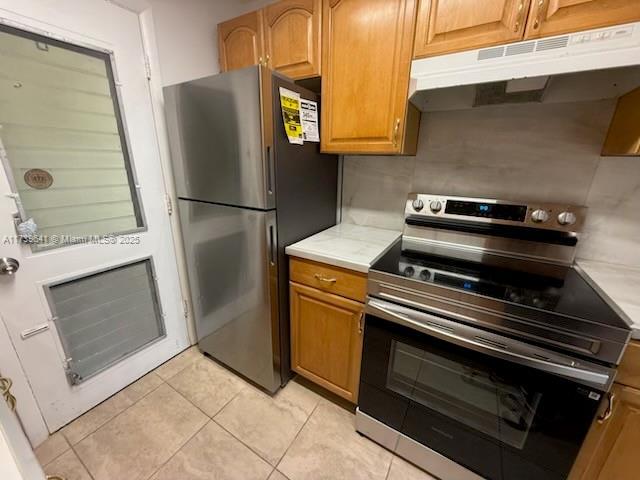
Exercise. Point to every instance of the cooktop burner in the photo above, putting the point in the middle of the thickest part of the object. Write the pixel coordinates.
(570, 296)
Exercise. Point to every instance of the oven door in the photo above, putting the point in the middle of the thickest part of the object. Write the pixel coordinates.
(500, 408)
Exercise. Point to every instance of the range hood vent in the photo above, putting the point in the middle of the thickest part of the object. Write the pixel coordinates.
(602, 48)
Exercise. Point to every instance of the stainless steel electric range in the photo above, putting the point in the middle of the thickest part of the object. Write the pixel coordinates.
(487, 352)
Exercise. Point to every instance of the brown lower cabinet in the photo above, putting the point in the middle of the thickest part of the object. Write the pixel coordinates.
(326, 339)
(327, 327)
(612, 447)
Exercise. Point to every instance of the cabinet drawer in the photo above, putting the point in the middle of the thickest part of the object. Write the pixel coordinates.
(328, 278)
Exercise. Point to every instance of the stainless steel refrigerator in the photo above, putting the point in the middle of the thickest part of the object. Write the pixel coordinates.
(244, 194)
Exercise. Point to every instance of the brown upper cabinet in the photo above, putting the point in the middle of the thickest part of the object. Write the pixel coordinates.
(240, 42)
(366, 60)
(446, 26)
(284, 36)
(292, 37)
(555, 17)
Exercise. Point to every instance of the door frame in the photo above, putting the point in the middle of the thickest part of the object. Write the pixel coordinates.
(28, 410)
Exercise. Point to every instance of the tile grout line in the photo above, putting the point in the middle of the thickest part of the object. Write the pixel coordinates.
(179, 449)
(297, 435)
(60, 454)
(244, 444)
(117, 414)
(199, 409)
(211, 419)
(222, 426)
(386, 477)
(82, 463)
(179, 371)
(71, 445)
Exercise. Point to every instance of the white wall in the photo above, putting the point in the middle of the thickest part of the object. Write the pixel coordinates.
(186, 34)
(541, 152)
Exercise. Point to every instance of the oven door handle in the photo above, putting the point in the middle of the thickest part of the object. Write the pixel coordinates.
(586, 373)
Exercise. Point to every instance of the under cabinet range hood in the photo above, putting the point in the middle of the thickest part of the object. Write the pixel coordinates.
(603, 48)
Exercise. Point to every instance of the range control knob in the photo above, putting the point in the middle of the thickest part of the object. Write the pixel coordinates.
(567, 218)
(435, 206)
(539, 216)
(417, 204)
(409, 271)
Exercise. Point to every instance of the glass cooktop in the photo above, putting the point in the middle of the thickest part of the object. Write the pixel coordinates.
(571, 295)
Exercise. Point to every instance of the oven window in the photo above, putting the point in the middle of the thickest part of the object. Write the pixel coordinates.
(469, 394)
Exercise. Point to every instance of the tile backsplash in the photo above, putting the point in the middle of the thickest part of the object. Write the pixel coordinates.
(541, 152)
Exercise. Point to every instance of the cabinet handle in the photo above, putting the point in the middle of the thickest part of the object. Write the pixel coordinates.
(361, 323)
(609, 411)
(260, 61)
(267, 60)
(320, 278)
(396, 130)
(538, 19)
(516, 28)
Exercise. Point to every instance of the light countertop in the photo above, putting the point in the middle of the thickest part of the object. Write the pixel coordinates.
(346, 245)
(621, 284)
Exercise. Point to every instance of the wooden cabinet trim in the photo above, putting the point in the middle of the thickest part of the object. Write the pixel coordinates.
(556, 17)
(277, 12)
(392, 128)
(251, 23)
(350, 390)
(608, 451)
(509, 27)
(629, 368)
(348, 283)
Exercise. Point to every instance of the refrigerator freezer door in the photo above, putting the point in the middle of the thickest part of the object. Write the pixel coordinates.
(232, 264)
(220, 134)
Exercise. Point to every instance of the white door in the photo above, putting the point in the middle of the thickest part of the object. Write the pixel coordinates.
(95, 302)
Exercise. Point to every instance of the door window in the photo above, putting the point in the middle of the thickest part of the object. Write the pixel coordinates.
(64, 142)
(104, 317)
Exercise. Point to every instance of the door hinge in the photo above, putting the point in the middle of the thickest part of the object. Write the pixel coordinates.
(147, 66)
(169, 204)
(185, 308)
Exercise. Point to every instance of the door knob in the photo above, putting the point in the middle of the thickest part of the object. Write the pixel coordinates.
(8, 266)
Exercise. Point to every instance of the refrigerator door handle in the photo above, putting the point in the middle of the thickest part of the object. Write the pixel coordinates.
(270, 169)
(272, 246)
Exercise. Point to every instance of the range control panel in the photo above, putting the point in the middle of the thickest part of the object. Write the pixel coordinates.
(548, 216)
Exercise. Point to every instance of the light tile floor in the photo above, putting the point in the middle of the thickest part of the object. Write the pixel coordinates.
(191, 419)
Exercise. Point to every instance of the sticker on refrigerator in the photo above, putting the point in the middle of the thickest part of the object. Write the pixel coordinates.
(290, 103)
(309, 117)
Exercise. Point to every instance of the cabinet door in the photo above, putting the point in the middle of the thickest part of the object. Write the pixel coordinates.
(240, 41)
(610, 451)
(554, 17)
(446, 26)
(326, 339)
(292, 37)
(366, 61)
